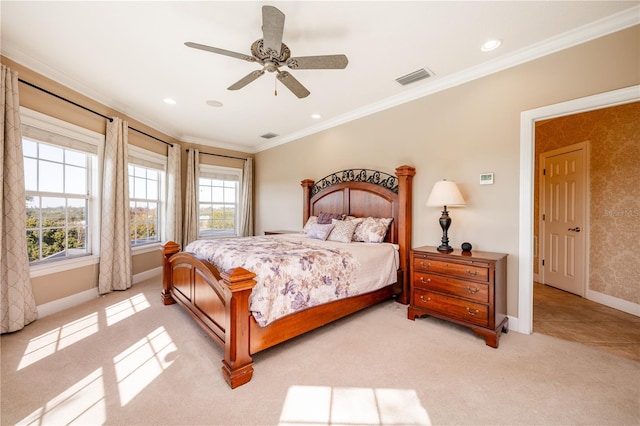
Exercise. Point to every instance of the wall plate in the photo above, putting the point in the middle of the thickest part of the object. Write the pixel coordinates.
(486, 178)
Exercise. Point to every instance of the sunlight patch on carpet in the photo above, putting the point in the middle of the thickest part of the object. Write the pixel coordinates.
(126, 308)
(326, 405)
(141, 363)
(81, 403)
(59, 338)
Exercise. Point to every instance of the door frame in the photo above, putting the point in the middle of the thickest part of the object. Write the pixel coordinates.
(584, 148)
(524, 323)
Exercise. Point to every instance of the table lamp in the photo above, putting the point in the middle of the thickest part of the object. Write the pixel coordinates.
(445, 193)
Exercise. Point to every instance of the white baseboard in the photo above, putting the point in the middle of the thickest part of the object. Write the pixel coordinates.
(66, 302)
(76, 299)
(147, 274)
(614, 302)
(513, 324)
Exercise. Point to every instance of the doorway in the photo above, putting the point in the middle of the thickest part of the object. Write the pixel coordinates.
(563, 217)
(524, 323)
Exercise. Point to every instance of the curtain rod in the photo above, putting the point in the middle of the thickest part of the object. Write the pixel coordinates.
(221, 155)
(88, 109)
(152, 137)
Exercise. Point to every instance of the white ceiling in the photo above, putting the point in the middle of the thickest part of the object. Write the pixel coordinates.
(131, 55)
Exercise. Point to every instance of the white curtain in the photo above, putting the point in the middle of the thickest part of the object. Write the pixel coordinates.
(173, 211)
(115, 241)
(246, 205)
(17, 304)
(190, 232)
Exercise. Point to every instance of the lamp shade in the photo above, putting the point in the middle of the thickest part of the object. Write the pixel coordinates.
(445, 193)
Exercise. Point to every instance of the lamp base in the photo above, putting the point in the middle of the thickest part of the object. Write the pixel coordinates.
(445, 248)
(445, 222)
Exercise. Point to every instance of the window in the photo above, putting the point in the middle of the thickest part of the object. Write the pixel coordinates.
(218, 201)
(144, 192)
(146, 183)
(60, 168)
(56, 181)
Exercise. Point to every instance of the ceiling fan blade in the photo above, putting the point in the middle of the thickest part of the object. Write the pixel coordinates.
(292, 84)
(272, 28)
(334, 62)
(246, 80)
(221, 51)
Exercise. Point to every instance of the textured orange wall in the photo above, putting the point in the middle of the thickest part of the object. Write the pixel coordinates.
(614, 191)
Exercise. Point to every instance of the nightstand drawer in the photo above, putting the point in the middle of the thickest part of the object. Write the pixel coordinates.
(473, 313)
(477, 292)
(478, 273)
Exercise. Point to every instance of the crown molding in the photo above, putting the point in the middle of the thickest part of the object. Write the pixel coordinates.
(594, 30)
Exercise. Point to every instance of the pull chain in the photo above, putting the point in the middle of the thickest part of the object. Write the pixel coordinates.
(275, 87)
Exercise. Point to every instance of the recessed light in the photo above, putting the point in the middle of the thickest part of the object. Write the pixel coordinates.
(214, 103)
(316, 116)
(169, 101)
(490, 45)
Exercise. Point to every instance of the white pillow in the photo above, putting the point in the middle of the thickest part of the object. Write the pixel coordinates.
(310, 222)
(372, 230)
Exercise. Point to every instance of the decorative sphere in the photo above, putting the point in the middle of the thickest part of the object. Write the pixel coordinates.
(466, 246)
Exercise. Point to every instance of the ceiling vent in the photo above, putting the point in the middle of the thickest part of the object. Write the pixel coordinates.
(269, 135)
(421, 74)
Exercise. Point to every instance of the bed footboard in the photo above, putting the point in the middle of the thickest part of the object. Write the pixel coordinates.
(219, 303)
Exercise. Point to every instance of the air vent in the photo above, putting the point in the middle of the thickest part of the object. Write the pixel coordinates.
(421, 74)
(269, 135)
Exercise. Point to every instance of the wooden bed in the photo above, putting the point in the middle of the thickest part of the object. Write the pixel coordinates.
(219, 300)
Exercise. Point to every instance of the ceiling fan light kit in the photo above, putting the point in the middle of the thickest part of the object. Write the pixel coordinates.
(272, 53)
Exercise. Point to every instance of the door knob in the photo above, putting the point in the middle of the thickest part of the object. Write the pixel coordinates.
(576, 229)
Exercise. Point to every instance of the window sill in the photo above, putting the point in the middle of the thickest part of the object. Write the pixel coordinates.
(80, 262)
(146, 248)
(63, 265)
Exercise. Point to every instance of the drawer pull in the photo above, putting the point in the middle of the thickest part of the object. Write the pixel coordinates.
(428, 299)
(472, 313)
(422, 280)
(425, 265)
(472, 274)
(472, 290)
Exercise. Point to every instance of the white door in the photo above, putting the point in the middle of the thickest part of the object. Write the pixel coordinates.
(564, 218)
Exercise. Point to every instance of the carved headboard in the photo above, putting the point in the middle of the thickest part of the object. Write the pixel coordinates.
(362, 193)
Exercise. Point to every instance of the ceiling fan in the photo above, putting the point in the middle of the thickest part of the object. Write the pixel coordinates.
(272, 53)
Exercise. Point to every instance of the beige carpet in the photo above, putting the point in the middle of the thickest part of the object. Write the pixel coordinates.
(127, 359)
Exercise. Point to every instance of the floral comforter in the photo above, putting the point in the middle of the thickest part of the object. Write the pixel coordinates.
(292, 274)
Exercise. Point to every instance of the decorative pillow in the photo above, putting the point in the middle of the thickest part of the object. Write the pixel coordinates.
(326, 217)
(342, 230)
(372, 230)
(320, 231)
(310, 222)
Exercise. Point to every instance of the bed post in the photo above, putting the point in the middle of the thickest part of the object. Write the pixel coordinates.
(306, 184)
(405, 176)
(168, 250)
(237, 365)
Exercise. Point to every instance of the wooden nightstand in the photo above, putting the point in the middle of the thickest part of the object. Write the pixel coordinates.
(469, 289)
(280, 232)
